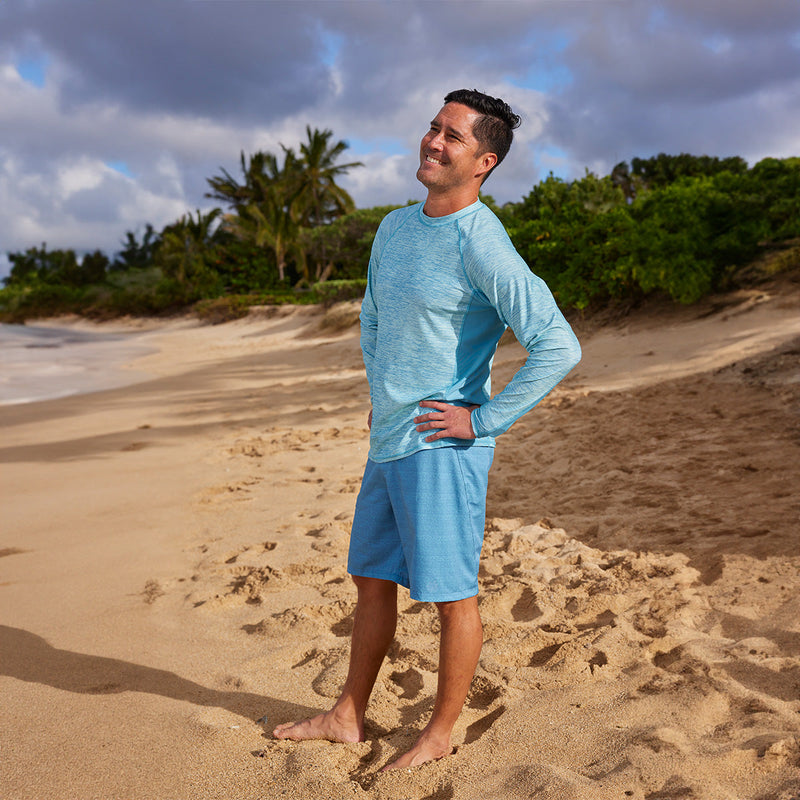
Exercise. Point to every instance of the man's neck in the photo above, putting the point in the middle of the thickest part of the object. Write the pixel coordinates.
(440, 205)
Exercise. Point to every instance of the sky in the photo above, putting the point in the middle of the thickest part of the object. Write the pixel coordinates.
(113, 113)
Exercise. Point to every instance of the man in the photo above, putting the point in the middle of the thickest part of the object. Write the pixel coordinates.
(444, 282)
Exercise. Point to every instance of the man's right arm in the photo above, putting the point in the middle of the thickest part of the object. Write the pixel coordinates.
(369, 325)
(369, 306)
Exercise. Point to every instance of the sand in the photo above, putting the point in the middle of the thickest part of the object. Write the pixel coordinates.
(172, 572)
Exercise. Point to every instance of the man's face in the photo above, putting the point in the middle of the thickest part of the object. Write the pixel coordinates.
(449, 154)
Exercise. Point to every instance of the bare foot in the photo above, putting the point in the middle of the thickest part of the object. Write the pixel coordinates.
(328, 726)
(427, 748)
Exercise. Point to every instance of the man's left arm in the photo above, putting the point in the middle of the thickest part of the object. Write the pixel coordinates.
(526, 305)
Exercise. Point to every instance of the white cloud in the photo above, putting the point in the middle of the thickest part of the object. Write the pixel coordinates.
(86, 173)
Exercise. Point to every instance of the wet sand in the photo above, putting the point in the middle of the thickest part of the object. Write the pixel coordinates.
(42, 361)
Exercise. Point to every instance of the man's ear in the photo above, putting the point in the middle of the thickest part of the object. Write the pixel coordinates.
(486, 162)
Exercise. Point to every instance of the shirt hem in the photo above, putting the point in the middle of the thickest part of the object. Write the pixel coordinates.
(483, 442)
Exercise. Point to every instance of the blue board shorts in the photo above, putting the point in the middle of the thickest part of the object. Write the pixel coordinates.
(419, 522)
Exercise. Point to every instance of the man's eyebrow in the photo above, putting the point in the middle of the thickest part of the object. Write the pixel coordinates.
(457, 133)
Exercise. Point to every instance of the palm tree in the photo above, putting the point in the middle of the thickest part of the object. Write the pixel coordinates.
(266, 205)
(274, 204)
(187, 248)
(134, 255)
(267, 224)
(323, 199)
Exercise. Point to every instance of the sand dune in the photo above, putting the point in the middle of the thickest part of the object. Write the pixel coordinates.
(172, 573)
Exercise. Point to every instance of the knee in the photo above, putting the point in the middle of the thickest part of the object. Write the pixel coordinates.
(361, 582)
(374, 588)
(466, 609)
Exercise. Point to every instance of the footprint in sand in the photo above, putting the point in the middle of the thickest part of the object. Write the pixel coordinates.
(232, 558)
(331, 678)
(409, 682)
(309, 479)
(349, 486)
(424, 660)
(483, 693)
(544, 655)
(525, 608)
(152, 591)
(310, 620)
(250, 448)
(229, 492)
(506, 600)
(249, 583)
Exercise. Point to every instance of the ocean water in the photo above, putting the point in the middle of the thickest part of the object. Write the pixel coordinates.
(40, 362)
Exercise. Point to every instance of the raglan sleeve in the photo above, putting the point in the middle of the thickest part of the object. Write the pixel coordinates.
(525, 304)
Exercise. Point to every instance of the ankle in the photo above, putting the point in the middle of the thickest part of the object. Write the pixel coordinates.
(344, 712)
(438, 735)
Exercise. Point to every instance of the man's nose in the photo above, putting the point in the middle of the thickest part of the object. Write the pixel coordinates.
(436, 141)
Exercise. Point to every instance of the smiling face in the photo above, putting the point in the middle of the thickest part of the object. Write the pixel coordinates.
(450, 159)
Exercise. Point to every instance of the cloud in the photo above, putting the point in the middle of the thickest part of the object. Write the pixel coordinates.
(216, 59)
(175, 91)
(717, 78)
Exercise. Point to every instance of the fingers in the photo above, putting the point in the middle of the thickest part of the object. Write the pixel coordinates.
(452, 421)
(437, 417)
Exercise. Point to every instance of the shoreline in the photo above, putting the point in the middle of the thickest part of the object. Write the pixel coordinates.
(62, 358)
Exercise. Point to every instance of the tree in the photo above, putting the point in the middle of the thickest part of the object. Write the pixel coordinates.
(93, 267)
(265, 206)
(187, 253)
(275, 204)
(692, 234)
(136, 255)
(664, 169)
(25, 266)
(321, 198)
(342, 248)
(40, 265)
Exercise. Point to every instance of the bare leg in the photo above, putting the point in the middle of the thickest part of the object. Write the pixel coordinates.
(373, 631)
(459, 650)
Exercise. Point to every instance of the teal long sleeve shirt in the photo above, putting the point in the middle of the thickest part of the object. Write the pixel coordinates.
(441, 291)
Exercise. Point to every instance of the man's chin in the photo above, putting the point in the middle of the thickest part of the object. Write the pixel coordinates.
(422, 176)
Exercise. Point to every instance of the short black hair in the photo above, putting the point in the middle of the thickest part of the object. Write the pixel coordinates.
(494, 129)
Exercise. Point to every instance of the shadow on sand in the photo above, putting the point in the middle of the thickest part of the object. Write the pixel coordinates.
(28, 657)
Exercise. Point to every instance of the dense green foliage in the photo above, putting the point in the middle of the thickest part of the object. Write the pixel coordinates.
(681, 225)
(685, 230)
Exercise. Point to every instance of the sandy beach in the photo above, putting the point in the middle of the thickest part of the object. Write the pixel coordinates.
(173, 584)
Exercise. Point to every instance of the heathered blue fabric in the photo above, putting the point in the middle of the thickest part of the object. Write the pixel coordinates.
(440, 293)
(419, 522)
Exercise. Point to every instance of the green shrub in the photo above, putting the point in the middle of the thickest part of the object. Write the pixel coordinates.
(39, 300)
(223, 309)
(329, 292)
